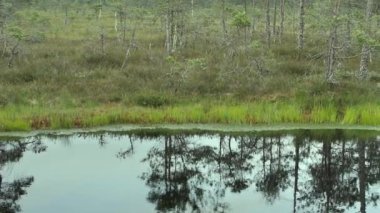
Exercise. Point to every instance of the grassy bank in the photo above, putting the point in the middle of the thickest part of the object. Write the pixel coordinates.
(23, 118)
(69, 68)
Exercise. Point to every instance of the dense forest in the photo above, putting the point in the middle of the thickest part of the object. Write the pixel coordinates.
(318, 61)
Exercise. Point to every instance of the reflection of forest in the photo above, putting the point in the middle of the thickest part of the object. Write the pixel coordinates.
(320, 171)
(326, 171)
(11, 192)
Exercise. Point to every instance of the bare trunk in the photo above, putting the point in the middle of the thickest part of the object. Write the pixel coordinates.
(253, 15)
(366, 50)
(100, 13)
(349, 23)
(131, 46)
(274, 21)
(2, 24)
(168, 23)
(282, 18)
(267, 25)
(192, 8)
(224, 19)
(66, 16)
(174, 32)
(245, 28)
(116, 23)
(301, 36)
(333, 41)
(2, 15)
(169, 33)
(102, 42)
(14, 53)
(174, 27)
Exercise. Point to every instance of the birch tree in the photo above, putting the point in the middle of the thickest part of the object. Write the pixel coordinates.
(366, 50)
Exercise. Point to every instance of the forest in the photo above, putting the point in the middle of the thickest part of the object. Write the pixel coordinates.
(86, 63)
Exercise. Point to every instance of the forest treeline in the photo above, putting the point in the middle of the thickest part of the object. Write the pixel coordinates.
(159, 52)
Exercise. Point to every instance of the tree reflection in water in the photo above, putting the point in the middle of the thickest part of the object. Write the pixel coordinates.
(318, 171)
(324, 171)
(11, 192)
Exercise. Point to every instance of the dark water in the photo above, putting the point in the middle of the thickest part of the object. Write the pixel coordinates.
(297, 171)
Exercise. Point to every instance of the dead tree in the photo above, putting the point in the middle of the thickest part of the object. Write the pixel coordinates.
(366, 49)
(282, 18)
(333, 43)
(2, 26)
(301, 32)
(267, 24)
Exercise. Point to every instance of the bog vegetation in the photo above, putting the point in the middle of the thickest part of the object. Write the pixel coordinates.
(80, 63)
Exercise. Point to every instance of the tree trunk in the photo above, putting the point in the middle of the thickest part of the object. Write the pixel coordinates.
(333, 40)
(253, 15)
(192, 8)
(2, 15)
(66, 16)
(168, 40)
(274, 20)
(3, 38)
(224, 19)
(301, 32)
(116, 23)
(100, 13)
(349, 23)
(267, 25)
(245, 28)
(282, 18)
(2, 19)
(366, 50)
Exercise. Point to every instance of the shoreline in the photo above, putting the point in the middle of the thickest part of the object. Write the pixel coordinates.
(191, 127)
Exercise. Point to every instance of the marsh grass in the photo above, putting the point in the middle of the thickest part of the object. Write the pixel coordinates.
(365, 114)
(16, 118)
(324, 114)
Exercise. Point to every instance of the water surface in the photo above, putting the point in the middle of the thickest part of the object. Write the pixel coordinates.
(185, 171)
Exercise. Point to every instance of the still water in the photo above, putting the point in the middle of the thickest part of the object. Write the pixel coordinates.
(155, 171)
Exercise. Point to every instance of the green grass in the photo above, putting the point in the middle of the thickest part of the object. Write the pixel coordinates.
(324, 114)
(365, 114)
(16, 118)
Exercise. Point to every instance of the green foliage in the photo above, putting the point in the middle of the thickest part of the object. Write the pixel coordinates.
(364, 38)
(240, 19)
(16, 32)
